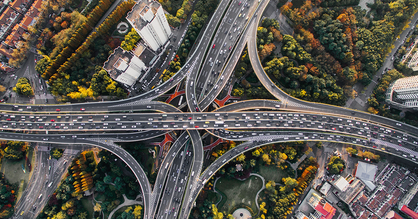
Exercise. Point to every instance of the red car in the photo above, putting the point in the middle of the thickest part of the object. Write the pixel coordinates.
(213, 45)
(230, 47)
(52, 120)
(239, 3)
(190, 118)
(8, 119)
(245, 148)
(82, 109)
(57, 110)
(196, 126)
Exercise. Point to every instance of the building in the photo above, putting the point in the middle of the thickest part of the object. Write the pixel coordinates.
(322, 209)
(350, 190)
(148, 19)
(13, 25)
(366, 172)
(126, 67)
(409, 212)
(403, 93)
(325, 188)
(341, 184)
(393, 215)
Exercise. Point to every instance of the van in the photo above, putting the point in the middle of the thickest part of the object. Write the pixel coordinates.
(49, 185)
(192, 173)
(40, 196)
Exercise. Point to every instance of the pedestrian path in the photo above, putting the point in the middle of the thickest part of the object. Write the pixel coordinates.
(126, 202)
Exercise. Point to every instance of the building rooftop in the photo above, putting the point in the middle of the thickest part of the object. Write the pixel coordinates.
(341, 184)
(409, 212)
(325, 188)
(124, 66)
(142, 13)
(366, 171)
(352, 191)
(393, 215)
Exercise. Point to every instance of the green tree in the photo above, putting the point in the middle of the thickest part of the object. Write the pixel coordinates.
(351, 151)
(42, 64)
(290, 183)
(130, 40)
(237, 92)
(335, 165)
(23, 87)
(56, 153)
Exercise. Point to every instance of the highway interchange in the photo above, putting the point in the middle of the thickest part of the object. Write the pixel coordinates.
(258, 122)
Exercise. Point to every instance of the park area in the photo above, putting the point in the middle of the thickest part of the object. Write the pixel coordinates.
(236, 193)
(272, 173)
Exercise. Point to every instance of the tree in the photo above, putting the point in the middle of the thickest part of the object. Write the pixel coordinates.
(241, 158)
(137, 211)
(56, 153)
(318, 144)
(290, 183)
(351, 151)
(253, 163)
(130, 40)
(237, 92)
(335, 165)
(15, 150)
(97, 207)
(23, 87)
(266, 158)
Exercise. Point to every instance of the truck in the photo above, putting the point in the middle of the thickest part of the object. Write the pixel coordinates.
(219, 122)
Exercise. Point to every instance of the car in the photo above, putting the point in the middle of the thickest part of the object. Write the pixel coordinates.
(52, 120)
(45, 139)
(82, 109)
(245, 148)
(239, 3)
(58, 110)
(239, 15)
(196, 126)
(190, 118)
(213, 45)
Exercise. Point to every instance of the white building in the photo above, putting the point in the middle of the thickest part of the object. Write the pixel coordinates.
(126, 67)
(148, 19)
(403, 93)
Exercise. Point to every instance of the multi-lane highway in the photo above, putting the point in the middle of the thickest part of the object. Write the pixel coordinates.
(207, 71)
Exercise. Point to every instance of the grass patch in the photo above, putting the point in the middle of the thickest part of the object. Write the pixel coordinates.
(88, 206)
(239, 192)
(116, 32)
(272, 173)
(13, 171)
(297, 3)
(252, 78)
(213, 197)
(99, 197)
(119, 211)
